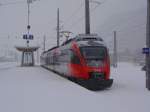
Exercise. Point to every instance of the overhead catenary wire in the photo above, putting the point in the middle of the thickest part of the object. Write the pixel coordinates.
(81, 18)
(74, 13)
(98, 4)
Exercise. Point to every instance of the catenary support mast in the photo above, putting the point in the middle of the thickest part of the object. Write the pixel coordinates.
(58, 32)
(87, 17)
(115, 50)
(148, 46)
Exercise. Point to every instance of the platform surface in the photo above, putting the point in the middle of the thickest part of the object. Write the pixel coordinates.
(34, 89)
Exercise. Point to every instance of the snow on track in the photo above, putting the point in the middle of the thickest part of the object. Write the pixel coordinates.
(35, 89)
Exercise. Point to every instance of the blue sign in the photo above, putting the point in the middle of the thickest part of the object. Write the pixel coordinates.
(25, 36)
(146, 50)
(30, 37)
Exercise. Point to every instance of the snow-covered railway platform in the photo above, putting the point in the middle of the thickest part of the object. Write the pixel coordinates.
(35, 89)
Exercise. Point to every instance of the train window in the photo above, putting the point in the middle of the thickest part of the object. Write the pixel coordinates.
(96, 53)
(74, 58)
(55, 59)
(65, 56)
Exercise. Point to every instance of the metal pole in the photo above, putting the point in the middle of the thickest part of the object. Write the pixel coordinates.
(58, 27)
(115, 50)
(148, 46)
(22, 61)
(28, 27)
(28, 14)
(87, 17)
(38, 56)
(33, 61)
(44, 43)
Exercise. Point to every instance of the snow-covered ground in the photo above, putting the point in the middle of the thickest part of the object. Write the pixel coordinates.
(7, 65)
(35, 89)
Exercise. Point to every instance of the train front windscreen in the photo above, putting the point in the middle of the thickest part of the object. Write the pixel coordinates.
(94, 56)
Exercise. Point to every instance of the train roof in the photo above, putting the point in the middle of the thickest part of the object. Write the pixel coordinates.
(84, 40)
(53, 48)
(87, 40)
(86, 37)
(50, 49)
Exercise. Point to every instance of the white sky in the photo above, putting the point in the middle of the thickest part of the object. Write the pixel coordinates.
(13, 18)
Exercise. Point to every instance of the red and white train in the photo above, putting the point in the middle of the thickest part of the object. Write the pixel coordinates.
(83, 59)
